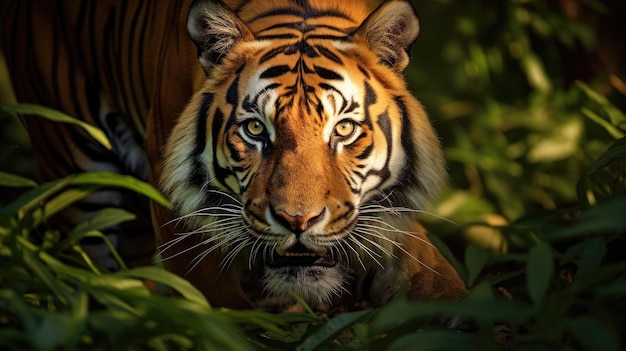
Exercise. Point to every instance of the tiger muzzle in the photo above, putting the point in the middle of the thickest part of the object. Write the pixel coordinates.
(299, 255)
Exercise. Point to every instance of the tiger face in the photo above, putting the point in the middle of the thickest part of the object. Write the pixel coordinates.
(303, 155)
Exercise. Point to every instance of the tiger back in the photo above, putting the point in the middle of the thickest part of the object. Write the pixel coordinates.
(296, 160)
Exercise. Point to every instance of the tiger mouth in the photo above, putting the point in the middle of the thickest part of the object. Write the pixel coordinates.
(299, 255)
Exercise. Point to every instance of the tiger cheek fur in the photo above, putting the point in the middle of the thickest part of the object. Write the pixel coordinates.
(303, 160)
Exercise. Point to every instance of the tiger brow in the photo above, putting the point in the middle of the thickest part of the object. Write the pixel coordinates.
(309, 13)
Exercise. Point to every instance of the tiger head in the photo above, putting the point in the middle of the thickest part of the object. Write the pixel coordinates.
(303, 154)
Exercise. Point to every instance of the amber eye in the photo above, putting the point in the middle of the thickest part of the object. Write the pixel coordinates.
(255, 128)
(344, 129)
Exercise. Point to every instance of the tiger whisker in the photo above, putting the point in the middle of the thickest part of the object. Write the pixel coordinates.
(212, 248)
(223, 229)
(359, 233)
(375, 208)
(226, 209)
(358, 257)
(398, 246)
(236, 200)
(217, 226)
(230, 257)
(391, 228)
(223, 225)
(367, 250)
(253, 252)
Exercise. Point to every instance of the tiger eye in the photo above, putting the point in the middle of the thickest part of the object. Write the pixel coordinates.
(255, 127)
(344, 129)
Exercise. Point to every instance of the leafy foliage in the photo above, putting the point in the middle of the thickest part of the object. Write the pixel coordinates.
(537, 163)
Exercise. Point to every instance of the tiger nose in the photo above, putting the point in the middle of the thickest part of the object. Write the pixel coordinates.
(296, 222)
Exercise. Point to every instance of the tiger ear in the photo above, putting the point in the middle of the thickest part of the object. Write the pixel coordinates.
(216, 30)
(390, 31)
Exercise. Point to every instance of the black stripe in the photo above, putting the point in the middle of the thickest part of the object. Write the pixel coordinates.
(234, 153)
(275, 71)
(326, 86)
(288, 25)
(370, 95)
(368, 150)
(198, 173)
(408, 177)
(326, 73)
(327, 13)
(272, 53)
(328, 54)
(277, 36)
(232, 95)
(276, 12)
(353, 106)
(346, 215)
(327, 37)
(220, 173)
(256, 97)
(364, 71)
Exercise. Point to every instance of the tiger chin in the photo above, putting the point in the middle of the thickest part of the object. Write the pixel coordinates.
(302, 163)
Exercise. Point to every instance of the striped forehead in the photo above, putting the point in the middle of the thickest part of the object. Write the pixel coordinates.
(322, 95)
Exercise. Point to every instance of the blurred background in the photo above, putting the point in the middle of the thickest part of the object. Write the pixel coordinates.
(525, 94)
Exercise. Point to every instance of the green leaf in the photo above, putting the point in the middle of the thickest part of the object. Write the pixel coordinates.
(56, 329)
(62, 269)
(108, 179)
(15, 303)
(331, 329)
(105, 218)
(606, 274)
(616, 152)
(475, 260)
(587, 254)
(610, 128)
(252, 319)
(536, 73)
(57, 116)
(479, 306)
(616, 290)
(14, 181)
(61, 202)
(33, 197)
(610, 117)
(302, 302)
(558, 144)
(434, 340)
(594, 334)
(605, 218)
(539, 272)
(162, 276)
(448, 255)
(43, 272)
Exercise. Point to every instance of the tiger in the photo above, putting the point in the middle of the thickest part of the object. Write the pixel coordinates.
(295, 159)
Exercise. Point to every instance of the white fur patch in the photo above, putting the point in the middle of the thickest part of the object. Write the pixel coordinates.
(316, 285)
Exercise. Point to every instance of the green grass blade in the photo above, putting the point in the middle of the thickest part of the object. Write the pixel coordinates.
(109, 179)
(57, 116)
(162, 276)
(33, 197)
(61, 202)
(105, 218)
(331, 329)
(14, 181)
